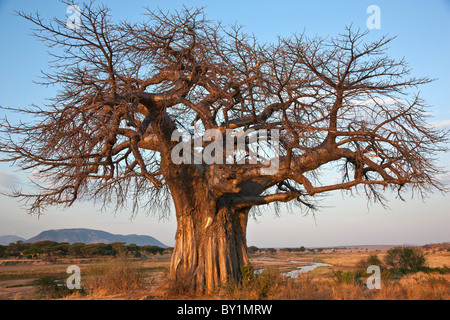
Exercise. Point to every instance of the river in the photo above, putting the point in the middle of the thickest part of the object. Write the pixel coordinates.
(303, 269)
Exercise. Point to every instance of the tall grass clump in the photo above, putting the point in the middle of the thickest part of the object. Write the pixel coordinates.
(115, 276)
(182, 285)
(253, 286)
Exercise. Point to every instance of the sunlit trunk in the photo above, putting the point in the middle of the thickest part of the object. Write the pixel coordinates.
(210, 247)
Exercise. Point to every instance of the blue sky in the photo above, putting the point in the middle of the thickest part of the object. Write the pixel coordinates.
(422, 30)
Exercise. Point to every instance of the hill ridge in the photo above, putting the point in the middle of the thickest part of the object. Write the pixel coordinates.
(89, 236)
(10, 238)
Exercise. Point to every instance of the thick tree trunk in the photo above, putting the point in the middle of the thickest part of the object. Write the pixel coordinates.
(210, 247)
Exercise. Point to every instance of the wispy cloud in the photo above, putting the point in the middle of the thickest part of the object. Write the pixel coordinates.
(444, 178)
(379, 100)
(440, 124)
(8, 181)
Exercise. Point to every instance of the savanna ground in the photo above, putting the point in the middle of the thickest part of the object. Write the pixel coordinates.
(146, 278)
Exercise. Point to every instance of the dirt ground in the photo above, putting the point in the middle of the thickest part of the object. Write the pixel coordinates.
(17, 276)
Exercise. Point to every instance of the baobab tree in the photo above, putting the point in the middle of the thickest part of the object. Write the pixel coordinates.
(125, 88)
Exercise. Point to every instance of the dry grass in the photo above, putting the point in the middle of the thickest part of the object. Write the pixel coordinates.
(263, 286)
(321, 283)
(411, 287)
(125, 278)
(182, 286)
(115, 276)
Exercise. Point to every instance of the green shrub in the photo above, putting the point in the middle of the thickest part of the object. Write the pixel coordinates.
(266, 284)
(404, 260)
(50, 287)
(261, 286)
(373, 259)
(247, 274)
(348, 277)
(440, 270)
(252, 249)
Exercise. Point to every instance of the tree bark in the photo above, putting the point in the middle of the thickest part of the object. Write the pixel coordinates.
(210, 242)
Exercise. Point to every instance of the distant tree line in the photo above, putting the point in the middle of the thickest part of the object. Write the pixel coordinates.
(253, 249)
(49, 248)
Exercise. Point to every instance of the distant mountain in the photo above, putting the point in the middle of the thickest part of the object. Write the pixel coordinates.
(94, 236)
(5, 240)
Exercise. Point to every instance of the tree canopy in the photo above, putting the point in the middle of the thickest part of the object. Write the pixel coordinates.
(125, 88)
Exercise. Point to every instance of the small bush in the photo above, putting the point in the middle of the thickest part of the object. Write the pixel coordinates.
(373, 259)
(247, 274)
(266, 284)
(262, 286)
(404, 260)
(50, 287)
(348, 277)
(440, 270)
(252, 249)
